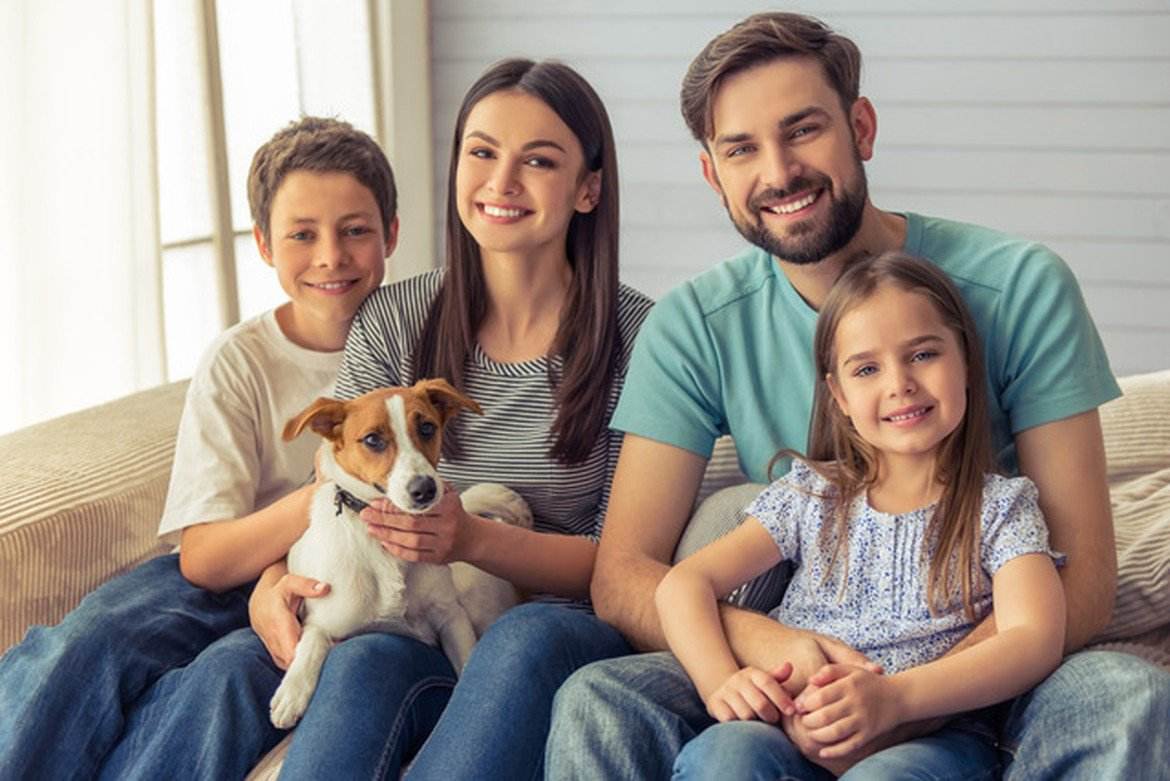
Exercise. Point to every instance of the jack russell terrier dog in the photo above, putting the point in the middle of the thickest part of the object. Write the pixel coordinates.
(385, 445)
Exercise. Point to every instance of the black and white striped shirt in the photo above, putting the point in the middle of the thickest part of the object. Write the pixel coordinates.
(510, 443)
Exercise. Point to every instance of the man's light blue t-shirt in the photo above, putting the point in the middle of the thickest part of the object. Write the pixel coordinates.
(730, 351)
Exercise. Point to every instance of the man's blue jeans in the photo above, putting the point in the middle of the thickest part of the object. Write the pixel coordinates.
(1101, 715)
(108, 690)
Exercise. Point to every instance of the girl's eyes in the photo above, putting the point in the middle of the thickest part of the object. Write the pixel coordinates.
(923, 355)
(299, 235)
(481, 153)
(865, 370)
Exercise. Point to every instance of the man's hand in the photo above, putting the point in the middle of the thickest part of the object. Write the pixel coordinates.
(752, 693)
(272, 611)
(438, 536)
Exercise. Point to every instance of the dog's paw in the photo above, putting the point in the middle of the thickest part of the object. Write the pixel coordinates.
(500, 502)
(289, 704)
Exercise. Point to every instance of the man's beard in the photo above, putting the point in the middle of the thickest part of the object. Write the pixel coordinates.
(805, 243)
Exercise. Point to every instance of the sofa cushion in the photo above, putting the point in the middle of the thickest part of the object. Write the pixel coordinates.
(1137, 447)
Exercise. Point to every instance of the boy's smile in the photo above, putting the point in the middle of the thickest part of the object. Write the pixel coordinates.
(328, 251)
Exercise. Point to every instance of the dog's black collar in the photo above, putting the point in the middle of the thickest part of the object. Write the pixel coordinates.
(349, 500)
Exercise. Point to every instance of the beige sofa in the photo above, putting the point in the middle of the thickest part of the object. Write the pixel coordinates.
(83, 493)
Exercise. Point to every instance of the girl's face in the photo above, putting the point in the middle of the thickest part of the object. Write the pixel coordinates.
(521, 176)
(900, 374)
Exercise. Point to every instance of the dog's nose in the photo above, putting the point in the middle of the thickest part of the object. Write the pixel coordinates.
(421, 489)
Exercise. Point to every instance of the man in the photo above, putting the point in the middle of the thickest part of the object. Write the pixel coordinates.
(775, 104)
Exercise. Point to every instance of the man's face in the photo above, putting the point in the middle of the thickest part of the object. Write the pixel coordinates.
(787, 159)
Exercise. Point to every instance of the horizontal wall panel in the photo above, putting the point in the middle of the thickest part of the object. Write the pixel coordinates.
(1019, 37)
(1080, 82)
(445, 10)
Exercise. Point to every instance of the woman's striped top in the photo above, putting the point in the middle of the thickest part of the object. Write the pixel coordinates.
(510, 443)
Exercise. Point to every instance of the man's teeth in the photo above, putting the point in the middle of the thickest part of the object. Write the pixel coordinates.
(909, 415)
(499, 211)
(795, 206)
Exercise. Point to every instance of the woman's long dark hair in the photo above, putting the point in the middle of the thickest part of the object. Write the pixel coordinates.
(587, 342)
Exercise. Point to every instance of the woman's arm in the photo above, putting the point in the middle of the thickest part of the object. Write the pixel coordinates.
(854, 706)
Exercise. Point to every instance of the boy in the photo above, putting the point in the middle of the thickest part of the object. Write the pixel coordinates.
(103, 692)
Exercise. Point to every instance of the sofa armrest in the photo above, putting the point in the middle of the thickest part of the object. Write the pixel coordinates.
(80, 501)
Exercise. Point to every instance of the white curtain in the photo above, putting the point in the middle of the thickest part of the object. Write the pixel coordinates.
(80, 290)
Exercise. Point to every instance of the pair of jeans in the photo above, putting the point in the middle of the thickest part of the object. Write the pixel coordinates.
(756, 751)
(380, 695)
(1100, 715)
(72, 694)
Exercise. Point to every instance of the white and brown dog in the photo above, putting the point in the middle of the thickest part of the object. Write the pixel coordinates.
(384, 445)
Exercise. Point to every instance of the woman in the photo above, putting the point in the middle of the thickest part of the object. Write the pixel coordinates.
(529, 319)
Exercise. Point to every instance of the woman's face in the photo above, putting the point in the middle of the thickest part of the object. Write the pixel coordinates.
(521, 176)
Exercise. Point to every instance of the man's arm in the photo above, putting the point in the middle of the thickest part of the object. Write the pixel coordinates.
(654, 489)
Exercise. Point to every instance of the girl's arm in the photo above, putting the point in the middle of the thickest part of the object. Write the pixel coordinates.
(1030, 614)
(687, 609)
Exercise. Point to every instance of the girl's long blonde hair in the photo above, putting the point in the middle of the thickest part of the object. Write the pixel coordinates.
(964, 456)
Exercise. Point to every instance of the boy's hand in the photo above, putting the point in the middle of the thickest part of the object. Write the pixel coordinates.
(751, 693)
(436, 536)
(272, 611)
(845, 707)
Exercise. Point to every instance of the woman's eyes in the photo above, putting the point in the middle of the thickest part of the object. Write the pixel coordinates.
(533, 161)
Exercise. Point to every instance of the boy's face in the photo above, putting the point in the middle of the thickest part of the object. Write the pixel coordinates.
(329, 253)
(787, 159)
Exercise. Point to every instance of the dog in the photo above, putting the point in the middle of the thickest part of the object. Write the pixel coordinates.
(385, 444)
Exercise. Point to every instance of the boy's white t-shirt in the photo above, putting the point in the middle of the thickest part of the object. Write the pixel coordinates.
(230, 458)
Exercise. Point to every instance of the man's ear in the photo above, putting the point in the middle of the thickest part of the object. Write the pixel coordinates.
(261, 244)
(589, 194)
(863, 123)
(838, 396)
(709, 173)
(391, 237)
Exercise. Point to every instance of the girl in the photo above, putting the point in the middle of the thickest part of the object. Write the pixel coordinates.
(902, 540)
(529, 319)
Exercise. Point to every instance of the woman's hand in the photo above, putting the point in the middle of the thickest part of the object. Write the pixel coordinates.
(752, 693)
(438, 536)
(273, 606)
(845, 707)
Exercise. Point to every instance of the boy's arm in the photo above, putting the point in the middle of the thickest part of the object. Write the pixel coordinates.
(220, 555)
(653, 492)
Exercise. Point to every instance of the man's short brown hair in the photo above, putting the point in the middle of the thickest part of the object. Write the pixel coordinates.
(759, 39)
(322, 145)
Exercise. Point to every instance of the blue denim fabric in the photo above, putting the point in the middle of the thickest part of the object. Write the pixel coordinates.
(207, 720)
(497, 721)
(1100, 716)
(378, 698)
(64, 689)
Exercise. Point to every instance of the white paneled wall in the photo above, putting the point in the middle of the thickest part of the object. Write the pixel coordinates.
(1045, 118)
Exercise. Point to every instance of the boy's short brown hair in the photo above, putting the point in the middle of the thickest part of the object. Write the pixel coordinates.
(323, 145)
(759, 39)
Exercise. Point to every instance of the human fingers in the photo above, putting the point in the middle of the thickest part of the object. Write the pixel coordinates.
(827, 715)
(769, 686)
(719, 710)
(761, 705)
(840, 730)
(739, 705)
(816, 697)
(843, 748)
(293, 586)
(837, 652)
(829, 673)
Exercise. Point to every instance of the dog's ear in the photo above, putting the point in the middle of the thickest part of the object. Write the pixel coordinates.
(445, 398)
(324, 416)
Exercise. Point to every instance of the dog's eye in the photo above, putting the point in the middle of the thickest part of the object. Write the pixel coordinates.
(426, 429)
(374, 442)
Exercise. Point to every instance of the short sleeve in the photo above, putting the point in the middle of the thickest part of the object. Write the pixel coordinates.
(1053, 364)
(1012, 523)
(672, 390)
(783, 507)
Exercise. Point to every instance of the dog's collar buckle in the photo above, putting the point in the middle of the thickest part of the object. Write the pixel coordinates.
(343, 496)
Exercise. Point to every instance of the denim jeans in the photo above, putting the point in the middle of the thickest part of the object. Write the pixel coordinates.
(71, 692)
(1101, 715)
(747, 750)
